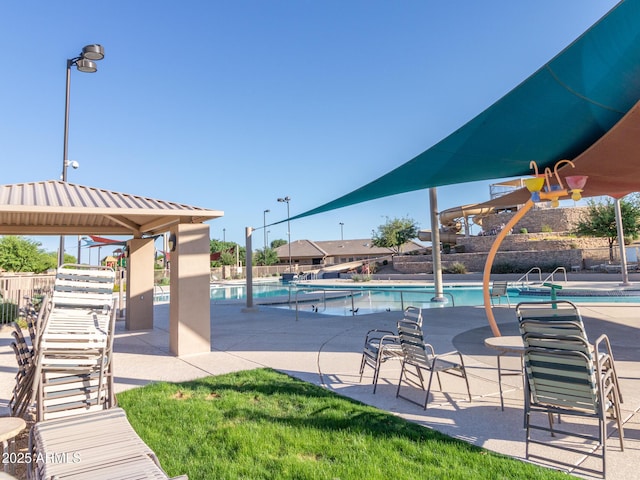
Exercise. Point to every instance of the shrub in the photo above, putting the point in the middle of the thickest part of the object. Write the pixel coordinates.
(546, 229)
(361, 278)
(455, 267)
(8, 312)
(524, 231)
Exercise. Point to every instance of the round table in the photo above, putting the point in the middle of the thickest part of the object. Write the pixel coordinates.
(507, 345)
(10, 427)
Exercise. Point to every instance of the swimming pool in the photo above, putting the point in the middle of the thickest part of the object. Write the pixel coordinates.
(346, 298)
(373, 299)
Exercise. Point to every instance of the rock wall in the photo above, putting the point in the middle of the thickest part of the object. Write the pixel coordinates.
(474, 262)
(523, 242)
(538, 219)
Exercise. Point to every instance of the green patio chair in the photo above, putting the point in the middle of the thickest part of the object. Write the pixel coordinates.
(562, 379)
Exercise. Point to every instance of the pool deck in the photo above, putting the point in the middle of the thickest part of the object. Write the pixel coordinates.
(326, 350)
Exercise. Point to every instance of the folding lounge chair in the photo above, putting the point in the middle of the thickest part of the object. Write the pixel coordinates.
(74, 344)
(383, 345)
(562, 379)
(73, 369)
(421, 356)
(100, 446)
(21, 399)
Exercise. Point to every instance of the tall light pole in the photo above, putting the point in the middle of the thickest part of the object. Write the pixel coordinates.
(85, 62)
(287, 200)
(264, 228)
(341, 231)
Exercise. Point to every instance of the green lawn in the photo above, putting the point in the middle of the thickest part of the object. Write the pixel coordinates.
(261, 424)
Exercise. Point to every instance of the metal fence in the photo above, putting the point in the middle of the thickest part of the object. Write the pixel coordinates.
(18, 290)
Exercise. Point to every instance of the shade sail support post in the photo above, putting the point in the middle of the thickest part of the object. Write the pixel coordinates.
(486, 277)
(249, 265)
(435, 247)
(623, 251)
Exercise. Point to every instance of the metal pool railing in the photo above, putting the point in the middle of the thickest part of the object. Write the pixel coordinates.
(352, 293)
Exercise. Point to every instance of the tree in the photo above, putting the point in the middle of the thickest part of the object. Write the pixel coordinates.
(600, 221)
(278, 243)
(394, 233)
(265, 257)
(19, 254)
(226, 252)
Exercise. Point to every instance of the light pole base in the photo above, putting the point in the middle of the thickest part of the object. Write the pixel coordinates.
(439, 299)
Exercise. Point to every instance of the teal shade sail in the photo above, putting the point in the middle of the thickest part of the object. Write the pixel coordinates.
(556, 113)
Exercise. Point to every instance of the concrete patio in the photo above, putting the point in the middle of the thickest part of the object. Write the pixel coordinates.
(326, 350)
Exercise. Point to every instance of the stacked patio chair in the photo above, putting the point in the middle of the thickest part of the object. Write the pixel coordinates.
(566, 375)
(99, 445)
(383, 345)
(561, 317)
(79, 433)
(25, 356)
(73, 348)
(420, 355)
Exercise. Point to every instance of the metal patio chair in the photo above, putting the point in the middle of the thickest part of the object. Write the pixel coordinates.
(421, 356)
(499, 290)
(562, 379)
(383, 345)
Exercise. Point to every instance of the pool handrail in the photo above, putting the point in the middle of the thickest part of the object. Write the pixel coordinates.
(558, 269)
(526, 275)
(352, 292)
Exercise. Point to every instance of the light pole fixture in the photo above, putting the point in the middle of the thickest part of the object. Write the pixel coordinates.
(264, 228)
(85, 62)
(287, 200)
(224, 235)
(341, 231)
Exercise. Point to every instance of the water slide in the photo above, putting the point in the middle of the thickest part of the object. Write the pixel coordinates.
(449, 219)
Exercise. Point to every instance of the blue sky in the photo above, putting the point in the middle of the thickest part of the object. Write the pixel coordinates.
(229, 105)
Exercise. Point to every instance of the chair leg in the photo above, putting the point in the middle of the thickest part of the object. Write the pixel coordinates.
(463, 370)
(618, 415)
(376, 374)
(426, 400)
(362, 363)
(400, 381)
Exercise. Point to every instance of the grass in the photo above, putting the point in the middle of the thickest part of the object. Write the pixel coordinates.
(261, 424)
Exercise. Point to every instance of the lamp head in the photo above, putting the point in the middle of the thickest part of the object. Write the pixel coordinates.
(93, 52)
(86, 66)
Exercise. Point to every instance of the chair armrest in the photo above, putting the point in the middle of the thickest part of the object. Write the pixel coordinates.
(377, 334)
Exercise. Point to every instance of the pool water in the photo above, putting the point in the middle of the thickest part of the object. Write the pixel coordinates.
(239, 291)
(373, 300)
(363, 299)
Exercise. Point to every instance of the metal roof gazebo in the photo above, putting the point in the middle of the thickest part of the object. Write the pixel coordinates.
(57, 207)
